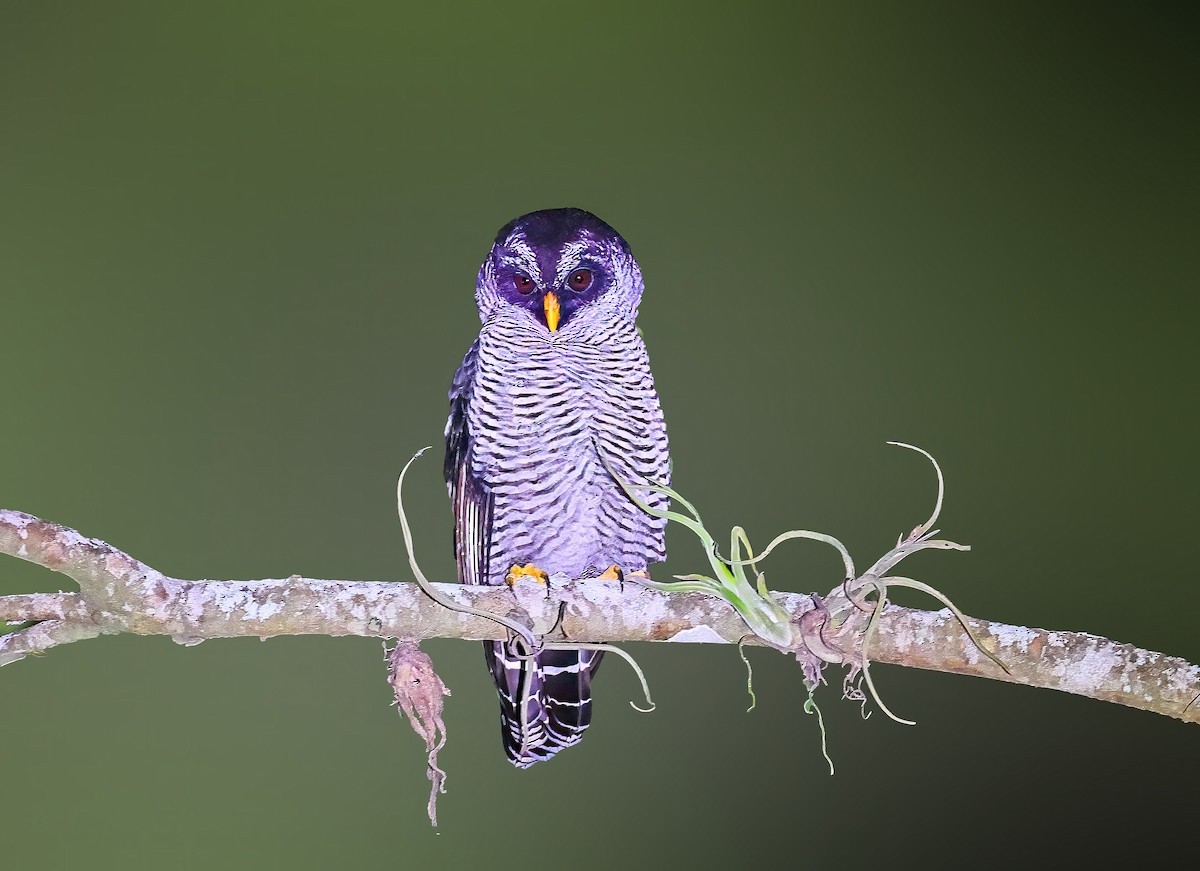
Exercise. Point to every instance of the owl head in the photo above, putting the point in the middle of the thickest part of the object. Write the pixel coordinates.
(560, 268)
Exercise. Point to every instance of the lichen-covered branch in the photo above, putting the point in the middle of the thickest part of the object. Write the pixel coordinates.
(1073, 662)
(37, 606)
(40, 637)
(119, 594)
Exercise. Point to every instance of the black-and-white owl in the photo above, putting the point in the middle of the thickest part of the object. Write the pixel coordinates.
(558, 376)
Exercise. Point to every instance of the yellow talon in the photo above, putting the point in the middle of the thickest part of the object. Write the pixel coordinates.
(616, 573)
(529, 570)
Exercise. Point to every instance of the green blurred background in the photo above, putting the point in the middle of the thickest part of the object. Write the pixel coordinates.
(238, 244)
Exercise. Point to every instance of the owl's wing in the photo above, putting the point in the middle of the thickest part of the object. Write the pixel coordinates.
(471, 499)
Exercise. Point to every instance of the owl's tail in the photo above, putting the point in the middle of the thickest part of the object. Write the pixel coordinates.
(558, 687)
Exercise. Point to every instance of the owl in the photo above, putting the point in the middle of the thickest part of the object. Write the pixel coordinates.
(556, 386)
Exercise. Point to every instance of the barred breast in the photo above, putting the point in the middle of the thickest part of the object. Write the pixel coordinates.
(543, 407)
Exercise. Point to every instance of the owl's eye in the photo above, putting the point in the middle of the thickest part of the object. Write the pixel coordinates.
(523, 283)
(580, 280)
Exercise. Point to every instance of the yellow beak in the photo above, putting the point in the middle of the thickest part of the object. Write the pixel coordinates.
(550, 303)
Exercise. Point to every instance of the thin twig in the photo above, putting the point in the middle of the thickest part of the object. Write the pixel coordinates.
(38, 606)
(37, 639)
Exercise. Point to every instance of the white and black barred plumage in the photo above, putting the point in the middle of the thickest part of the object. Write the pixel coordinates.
(558, 374)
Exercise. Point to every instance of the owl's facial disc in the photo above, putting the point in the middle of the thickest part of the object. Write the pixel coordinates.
(555, 263)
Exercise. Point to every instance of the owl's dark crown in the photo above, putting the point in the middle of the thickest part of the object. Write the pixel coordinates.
(550, 229)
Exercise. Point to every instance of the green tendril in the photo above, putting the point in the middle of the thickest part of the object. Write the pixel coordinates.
(749, 673)
(811, 707)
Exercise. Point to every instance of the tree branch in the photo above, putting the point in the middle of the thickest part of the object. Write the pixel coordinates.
(37, 606)
(119, 594)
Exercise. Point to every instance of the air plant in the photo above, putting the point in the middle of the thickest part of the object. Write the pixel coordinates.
(767, 619)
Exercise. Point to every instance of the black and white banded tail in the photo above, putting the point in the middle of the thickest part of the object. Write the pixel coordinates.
(557, 686)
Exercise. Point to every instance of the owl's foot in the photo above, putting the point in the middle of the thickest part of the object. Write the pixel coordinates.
(529, 570)
(616, 573)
